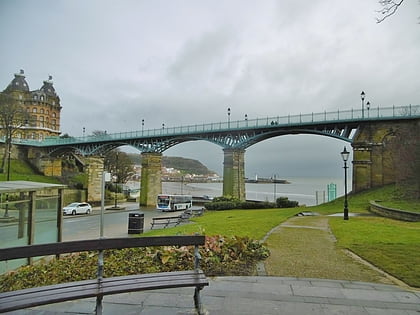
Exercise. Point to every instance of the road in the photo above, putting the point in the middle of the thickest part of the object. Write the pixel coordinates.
(83, 227)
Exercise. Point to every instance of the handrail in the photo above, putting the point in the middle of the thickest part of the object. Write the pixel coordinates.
(352, 115)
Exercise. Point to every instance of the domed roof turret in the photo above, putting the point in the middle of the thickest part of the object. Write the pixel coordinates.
(18, 83)
(48, 88)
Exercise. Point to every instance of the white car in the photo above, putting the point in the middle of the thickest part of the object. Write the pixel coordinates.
(77, 208)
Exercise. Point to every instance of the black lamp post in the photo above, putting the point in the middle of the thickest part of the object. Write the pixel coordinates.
(228, 111)
(362, 96)
(116, 179)
(84, 130)
(9, 144)
(345, 155)
(246, 119)
(9, 149)
(368, 107)
(142, 126)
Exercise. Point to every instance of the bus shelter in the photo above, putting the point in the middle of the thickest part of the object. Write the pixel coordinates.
(30, 213)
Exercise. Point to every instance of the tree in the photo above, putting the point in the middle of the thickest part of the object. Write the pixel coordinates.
(12, 117)
(389, 7)
(119, 164)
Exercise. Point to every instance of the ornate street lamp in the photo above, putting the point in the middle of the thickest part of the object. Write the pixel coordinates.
(228, 112)
(362, 96)
(368, 107)
(345, 155)
(116, 180)
(142, 126)
(246, 119)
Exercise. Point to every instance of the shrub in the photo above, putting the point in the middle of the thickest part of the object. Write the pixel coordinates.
(284, 202)
(221, 205)
(220, 256)
(256, 205)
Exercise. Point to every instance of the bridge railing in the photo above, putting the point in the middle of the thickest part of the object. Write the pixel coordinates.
(289, 120)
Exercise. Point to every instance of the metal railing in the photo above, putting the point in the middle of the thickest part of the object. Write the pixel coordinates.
(353, 115)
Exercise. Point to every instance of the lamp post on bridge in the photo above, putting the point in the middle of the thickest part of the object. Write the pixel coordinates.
(228, 112)
(246, 120)
(345, 155)
(368, 107)
(362, 96)
(142, 126)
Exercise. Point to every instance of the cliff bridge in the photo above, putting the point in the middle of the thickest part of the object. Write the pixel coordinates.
(366, 130)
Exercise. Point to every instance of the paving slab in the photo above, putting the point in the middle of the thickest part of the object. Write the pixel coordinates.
(255, 295)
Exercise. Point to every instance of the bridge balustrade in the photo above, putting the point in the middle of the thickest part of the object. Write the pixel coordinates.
(338, 116)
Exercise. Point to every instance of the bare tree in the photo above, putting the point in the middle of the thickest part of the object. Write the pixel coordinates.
(120, 165)
(389, 7)
(12, 117)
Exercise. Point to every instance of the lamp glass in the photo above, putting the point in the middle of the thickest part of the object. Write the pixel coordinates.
(345, 154)
(362, 95)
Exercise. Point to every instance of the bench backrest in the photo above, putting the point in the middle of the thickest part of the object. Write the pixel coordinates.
(98, 244)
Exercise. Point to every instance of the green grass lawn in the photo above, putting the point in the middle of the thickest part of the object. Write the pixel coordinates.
(359, 203)
(21, 171)
(391, 245)
(252, 223)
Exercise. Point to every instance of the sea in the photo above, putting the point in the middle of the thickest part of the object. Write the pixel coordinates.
(306, 190)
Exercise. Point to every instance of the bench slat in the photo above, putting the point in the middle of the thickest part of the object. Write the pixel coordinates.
(97, 244)
(89, 288)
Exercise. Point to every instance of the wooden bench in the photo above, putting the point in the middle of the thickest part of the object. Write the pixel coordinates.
(166, 221)
(19, 299)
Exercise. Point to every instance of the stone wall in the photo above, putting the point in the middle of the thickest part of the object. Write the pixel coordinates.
(393, 213)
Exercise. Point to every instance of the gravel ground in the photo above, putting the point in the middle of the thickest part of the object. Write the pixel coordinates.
(304, 247)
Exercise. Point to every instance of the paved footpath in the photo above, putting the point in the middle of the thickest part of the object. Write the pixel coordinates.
(262, 295)
(255, 295)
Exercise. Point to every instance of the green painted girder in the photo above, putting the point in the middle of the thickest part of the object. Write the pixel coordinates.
(238, 134)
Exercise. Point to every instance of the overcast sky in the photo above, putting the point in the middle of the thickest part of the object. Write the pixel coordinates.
(177, 62)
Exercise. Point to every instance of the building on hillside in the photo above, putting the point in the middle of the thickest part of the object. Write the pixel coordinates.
(42, 106)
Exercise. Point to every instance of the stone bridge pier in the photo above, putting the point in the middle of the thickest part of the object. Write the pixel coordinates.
(374, 153)
(234, 173)
(94, 170)
(151, 174)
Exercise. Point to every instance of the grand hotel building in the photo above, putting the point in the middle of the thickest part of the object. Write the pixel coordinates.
(42, 105)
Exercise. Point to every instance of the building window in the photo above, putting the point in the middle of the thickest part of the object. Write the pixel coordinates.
(53, 114)
(42, 110)
(34, 110)
(42, 97)
(35, 97)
